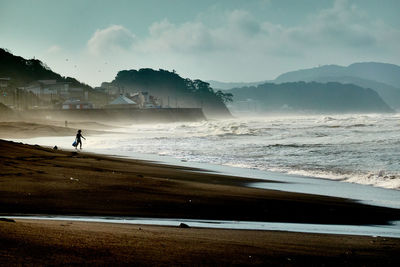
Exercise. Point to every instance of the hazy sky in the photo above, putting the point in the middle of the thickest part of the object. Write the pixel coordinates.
(225, 40)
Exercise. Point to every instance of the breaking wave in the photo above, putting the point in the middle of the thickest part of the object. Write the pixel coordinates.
(361, 149)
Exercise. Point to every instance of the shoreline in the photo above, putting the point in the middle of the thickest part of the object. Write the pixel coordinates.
(392, 230)
(82, 186)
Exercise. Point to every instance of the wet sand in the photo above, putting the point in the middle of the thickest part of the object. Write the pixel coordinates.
(38, 180)
(27, 242)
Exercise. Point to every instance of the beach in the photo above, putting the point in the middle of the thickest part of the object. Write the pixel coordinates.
(38, 180)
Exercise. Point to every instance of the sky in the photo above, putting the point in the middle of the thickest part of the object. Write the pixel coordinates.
(223, 40)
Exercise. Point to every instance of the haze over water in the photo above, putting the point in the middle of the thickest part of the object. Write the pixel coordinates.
(353, 148)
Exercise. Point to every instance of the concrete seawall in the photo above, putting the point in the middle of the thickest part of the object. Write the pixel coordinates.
(120, 115)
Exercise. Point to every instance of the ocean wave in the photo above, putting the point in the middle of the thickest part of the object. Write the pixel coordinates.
(355, 125)
(295, 145)
(341, 147)
(378, 178)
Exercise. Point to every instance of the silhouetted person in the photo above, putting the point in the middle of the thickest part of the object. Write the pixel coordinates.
(78, 139)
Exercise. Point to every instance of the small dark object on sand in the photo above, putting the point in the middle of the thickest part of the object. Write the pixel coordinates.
(184, 225)
(55, 147)
(6, 220)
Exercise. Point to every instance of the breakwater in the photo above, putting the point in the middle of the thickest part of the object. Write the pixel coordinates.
(120, 115)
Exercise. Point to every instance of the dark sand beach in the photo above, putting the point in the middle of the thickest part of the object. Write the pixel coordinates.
(38, 180)
(28, 242)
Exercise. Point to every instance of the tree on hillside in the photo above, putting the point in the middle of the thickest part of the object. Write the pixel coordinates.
(225, 97)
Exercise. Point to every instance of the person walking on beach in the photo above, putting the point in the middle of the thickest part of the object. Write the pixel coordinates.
(78, 140)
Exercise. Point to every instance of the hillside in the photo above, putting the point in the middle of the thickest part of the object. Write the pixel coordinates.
(389, 94)
(173, 90)
(381, 77)
(23, 71)
(308, 97)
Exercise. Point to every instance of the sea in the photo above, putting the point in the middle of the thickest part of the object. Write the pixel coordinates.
(353, 148)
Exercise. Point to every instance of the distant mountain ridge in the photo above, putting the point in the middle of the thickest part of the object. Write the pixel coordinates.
(375, 71)
(311, 97)
(388, 93)
(382, 77)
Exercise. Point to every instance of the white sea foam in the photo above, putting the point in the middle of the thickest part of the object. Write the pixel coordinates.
(361, 149)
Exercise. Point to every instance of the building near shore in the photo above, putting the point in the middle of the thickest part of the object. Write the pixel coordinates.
(145, 100)
(53, 90)
(109, 89)
(4, 82)
(122, 102)
(47, 87)
(140, 98)
(76, 104)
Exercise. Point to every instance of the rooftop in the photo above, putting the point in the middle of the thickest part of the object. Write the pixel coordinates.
(122, 100)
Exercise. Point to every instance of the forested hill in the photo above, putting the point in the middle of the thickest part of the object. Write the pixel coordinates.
(313, 97)
(23, 71)
(174, 90)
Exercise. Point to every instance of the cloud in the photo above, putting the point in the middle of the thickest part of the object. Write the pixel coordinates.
(343, 24)
(340, 27)
(186, 38)
(244, 47)
(54, 49)
(111, 39)
(242, 22)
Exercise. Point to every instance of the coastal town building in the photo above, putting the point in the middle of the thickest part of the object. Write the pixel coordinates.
(46, 87)
(122, 102)
(140, 98)
(109, 89)
(76, 104)
(52, 90)
(4, 82)
(145, 100)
